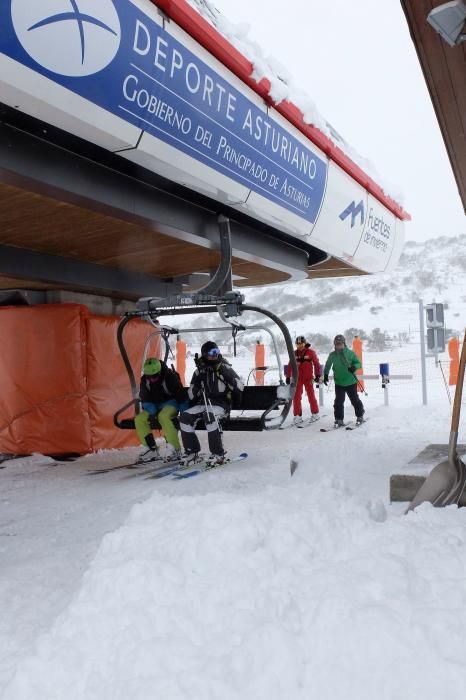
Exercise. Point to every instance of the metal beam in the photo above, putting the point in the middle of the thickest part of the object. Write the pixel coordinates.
(87, 277)
(119, 188)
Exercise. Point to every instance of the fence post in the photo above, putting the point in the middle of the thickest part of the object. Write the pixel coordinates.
(423, 352)
(385, 374)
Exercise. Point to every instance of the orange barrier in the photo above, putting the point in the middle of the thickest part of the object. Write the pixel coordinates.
(357, 348)
(181, 360)
(260, 362)
(62, 379)
(44, 406)
(454, 352)
(108, 387)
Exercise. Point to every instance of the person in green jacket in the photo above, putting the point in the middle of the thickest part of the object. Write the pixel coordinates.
(345, 362)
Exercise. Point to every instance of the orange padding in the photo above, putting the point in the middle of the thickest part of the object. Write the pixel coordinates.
(63, 378)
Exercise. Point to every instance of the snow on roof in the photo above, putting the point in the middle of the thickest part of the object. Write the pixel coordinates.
(282, 87)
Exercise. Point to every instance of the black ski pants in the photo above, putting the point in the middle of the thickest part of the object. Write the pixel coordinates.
(338, 406)
(188, 420)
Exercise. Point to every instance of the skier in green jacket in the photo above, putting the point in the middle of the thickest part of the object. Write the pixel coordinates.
(345, 362)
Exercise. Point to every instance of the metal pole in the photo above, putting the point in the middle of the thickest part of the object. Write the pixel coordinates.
(423, 352)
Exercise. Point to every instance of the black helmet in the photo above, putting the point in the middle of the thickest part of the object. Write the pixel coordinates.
(339, 339)
(300, 339)
(210, 351)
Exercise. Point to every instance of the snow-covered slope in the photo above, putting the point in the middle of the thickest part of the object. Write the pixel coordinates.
(240, 584)
(430, 271)
(318, 309)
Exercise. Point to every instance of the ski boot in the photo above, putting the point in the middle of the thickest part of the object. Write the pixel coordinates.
(216, 460)
(147, 455)
(172, 456)
(189, 459)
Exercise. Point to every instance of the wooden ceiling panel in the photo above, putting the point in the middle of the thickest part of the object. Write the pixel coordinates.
(45, 225)
(444, 69)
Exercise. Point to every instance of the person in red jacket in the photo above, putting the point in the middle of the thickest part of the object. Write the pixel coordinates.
(308, 368)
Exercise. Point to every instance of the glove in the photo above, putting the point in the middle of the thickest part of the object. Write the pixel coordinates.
(317, 380)
(325, 379)
(288, 380)
(352, 369)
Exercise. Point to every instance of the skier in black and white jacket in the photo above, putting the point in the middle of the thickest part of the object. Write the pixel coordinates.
(213, 385)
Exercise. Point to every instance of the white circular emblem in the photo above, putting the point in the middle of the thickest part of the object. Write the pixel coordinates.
(68, 37)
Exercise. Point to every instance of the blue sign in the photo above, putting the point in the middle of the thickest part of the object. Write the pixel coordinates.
(117, 57)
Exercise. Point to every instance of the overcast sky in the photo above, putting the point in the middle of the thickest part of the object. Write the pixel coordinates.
(356, 60)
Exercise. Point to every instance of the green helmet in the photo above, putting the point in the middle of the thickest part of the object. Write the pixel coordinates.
(152, 366)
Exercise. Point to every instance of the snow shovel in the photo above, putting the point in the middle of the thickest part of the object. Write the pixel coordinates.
(446, 481)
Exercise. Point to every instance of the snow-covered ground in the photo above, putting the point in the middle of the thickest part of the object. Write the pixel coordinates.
(243, 582)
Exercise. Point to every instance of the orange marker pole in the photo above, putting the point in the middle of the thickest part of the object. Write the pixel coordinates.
(260, 362)
(181, 360)
(454, 352)
(357, 348)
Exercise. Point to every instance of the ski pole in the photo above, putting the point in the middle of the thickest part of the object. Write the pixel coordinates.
(207, 403)
(360, 385)
(445, 381)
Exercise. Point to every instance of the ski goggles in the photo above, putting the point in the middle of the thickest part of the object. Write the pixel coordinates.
(213, 354)
(153, 378)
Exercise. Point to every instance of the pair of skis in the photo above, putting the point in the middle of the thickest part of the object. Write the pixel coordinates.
(157, 460)
(156, 469)
(177, 472)
(346, 426)
(309, 421)
(305, 423)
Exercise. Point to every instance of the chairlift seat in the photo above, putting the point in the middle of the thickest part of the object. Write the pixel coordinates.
(253, 398)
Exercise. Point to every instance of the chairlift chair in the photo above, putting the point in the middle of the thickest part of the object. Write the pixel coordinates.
(261, 401)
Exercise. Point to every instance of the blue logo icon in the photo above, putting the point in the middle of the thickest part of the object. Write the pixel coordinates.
(69, 37)
(354, 210)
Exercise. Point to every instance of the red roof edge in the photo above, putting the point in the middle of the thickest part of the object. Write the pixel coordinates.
(205, 34)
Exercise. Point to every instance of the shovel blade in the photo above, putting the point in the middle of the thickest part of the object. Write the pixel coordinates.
(443, 486)
(438, 484)
(460, 482)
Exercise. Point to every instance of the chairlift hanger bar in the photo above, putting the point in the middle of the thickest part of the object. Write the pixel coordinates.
(215, 297)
